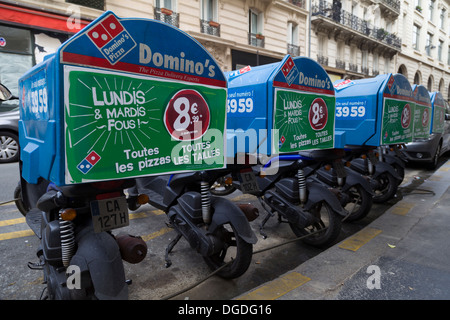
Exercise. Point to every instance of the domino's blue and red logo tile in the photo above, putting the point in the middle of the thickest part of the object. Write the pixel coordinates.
(111, 38)
(89, 162)
(289, 70)
(281, 142)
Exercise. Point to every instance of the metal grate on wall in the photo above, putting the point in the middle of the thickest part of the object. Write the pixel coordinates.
(95, 4)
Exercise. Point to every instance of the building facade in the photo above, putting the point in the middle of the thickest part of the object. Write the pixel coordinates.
(350, 39)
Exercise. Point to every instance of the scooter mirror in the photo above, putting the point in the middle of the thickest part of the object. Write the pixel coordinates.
(5, 94)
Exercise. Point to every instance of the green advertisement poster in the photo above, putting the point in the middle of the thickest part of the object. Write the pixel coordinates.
(438, 119)
(302, 121)
(422, 121)
(397, 123)
(119, 125)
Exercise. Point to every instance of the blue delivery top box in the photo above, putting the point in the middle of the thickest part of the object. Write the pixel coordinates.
(281, 107)
(122, 98)
(438, 111)
(374, 111)
(422, 112)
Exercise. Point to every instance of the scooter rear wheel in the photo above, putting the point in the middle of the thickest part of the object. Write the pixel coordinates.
(236, 253)
(327, 220)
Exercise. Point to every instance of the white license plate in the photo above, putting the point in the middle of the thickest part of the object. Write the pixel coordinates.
(249, 184)
(108, 214)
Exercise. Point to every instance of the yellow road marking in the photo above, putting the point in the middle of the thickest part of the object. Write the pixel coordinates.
(359, 239)
(402, 208)
(29, 232)
(16, 234)
(277, 287)
(11, 222)
(156, 234)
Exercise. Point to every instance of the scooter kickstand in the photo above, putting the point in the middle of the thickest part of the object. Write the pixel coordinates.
(169, 249)
(261, 227)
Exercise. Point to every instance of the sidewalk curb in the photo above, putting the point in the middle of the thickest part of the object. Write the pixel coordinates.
(325, 274)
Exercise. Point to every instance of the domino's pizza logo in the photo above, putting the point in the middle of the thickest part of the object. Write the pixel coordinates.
(89, 162)
(289, 70)
(111, 38)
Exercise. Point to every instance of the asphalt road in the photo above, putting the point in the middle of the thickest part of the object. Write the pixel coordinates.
(151, 280)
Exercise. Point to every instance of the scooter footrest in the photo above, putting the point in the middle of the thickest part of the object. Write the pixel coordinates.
(33, 218)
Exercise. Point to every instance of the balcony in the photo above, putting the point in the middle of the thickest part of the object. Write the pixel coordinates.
(353, 67)
(331, 19)
(210, 27)
(389, 8)
(298, 3)
(322, 60)
(293, 50)
(340, 64)
(167, 15)
(256, 40)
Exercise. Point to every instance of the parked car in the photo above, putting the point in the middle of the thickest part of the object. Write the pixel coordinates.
(9, 131)
(428, 150)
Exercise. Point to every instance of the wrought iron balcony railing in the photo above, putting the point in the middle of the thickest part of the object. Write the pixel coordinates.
(256, 40)
(336, 14)
(210, 27)
(293, 50)
(322, 60)
(168, 16)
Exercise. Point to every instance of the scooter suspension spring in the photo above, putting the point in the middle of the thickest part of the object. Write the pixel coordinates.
(301, 185)
(67, 241)
(206, 202)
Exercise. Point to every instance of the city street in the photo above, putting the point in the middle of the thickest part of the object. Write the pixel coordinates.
(151, 280)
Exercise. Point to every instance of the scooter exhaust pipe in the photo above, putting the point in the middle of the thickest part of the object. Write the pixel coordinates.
(133, 249)
(249, 210)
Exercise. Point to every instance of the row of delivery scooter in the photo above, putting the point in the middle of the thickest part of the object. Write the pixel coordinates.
(313, 152)
(314, 176)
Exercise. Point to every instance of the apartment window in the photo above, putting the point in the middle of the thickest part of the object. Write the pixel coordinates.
(292, 39)
(364, 62)
(353, 66)
(417, 5)
(440, 47)
(387, 65)
(417, 78)
(429, 43)
(209, 10)
(209, 20)
(416, 36)
(168, 4)
(340, 61)
(443, 13)
(255, 28)
(448, 56)
(375, 68)
(165, 11)
(431, 10)
(430, 84)
(322, 56)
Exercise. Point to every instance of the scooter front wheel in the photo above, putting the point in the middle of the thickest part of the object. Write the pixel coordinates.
(324, 231)
(235, 253)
